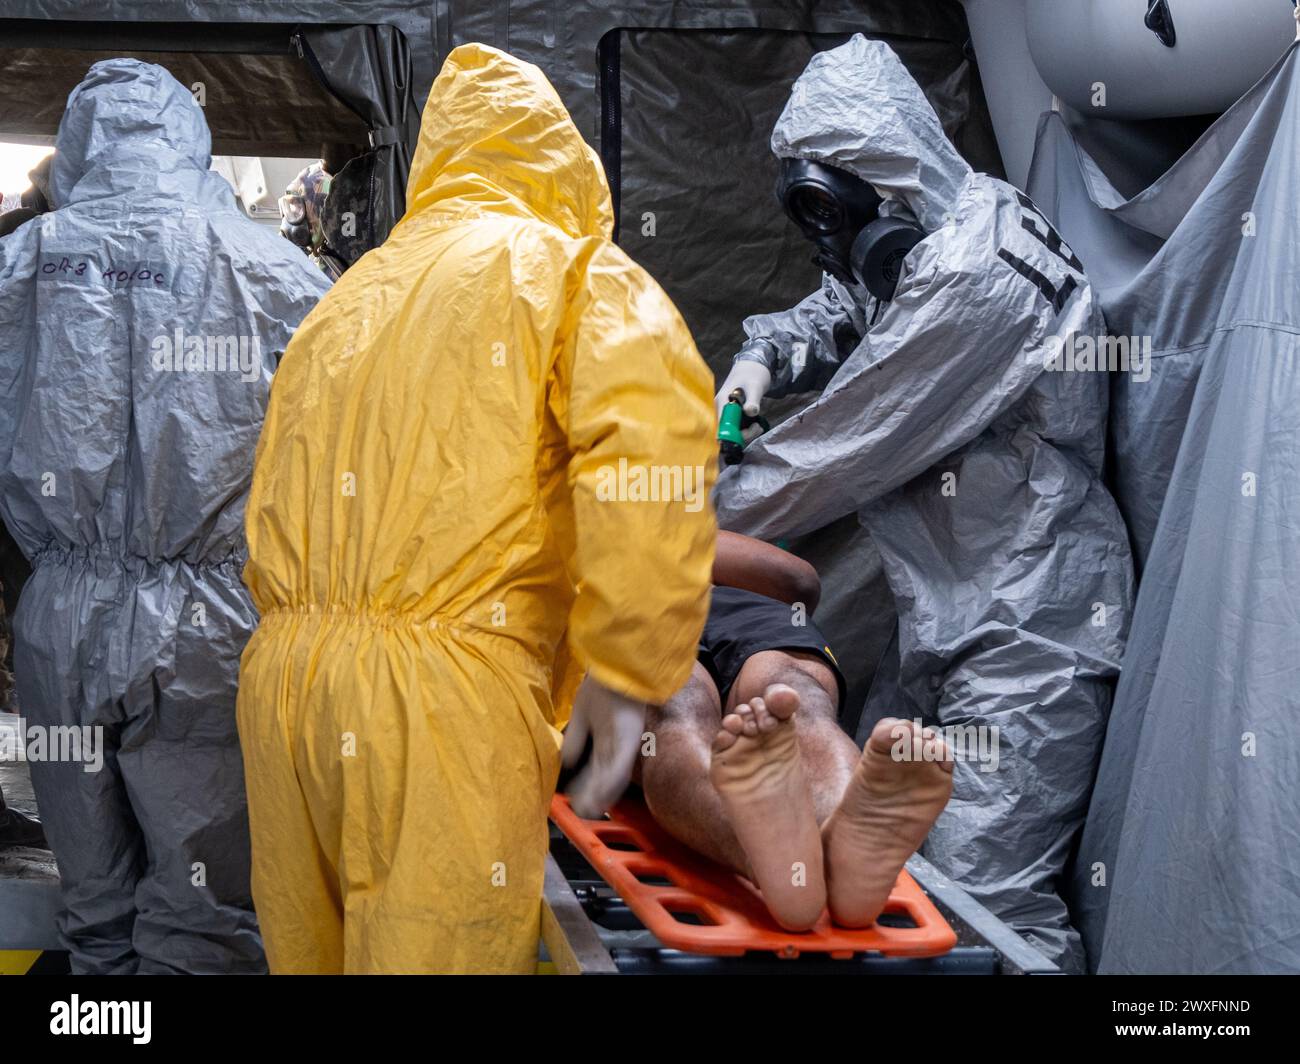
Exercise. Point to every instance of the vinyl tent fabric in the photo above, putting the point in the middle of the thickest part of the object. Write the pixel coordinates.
(563, 39)
(438, 548)
(348, 85)
(369, 69)
(974, 468)
(1190, 859)
(238, 89)
(123, 481)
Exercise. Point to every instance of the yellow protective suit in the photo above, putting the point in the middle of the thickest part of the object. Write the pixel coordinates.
(461, 483)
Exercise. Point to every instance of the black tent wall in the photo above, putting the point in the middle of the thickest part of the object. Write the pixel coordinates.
(35, 80)
(368, 68)
(267, 89)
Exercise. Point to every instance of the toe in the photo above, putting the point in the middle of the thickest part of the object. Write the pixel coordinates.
(726, 738)
(939, 751)
(935, 747)
(886, 733)
(782, 700)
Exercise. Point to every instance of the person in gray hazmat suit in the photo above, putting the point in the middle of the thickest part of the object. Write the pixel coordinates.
(140, 322)
(958, 415)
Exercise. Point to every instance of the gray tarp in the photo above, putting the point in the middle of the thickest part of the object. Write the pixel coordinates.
(123, 475)
(1190, 860)
(975, 468)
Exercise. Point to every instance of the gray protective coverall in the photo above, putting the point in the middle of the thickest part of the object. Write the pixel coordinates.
(975, 467)
(140, 322)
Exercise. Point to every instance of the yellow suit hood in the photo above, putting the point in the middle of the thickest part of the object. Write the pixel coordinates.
(496, 135)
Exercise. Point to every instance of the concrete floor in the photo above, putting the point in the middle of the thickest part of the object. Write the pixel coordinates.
(15, 780)
(16, 783)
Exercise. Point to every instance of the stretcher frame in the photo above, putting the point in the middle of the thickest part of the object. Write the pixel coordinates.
(692, 904)
(983, 943)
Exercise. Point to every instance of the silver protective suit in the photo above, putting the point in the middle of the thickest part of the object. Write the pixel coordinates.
(955, 423)
(140, 322)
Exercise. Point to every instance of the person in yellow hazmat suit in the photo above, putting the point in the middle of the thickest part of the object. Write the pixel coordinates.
(484, 471)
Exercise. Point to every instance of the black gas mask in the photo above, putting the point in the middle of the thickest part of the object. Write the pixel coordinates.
(840, 214)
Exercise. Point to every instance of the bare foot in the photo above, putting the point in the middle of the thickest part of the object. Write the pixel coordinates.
(883, 817)
(757, 771)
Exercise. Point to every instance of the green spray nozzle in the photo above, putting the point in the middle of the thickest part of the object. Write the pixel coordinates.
(731, 440)
(731, 427)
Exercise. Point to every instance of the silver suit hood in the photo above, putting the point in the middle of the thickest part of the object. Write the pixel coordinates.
(856, 107)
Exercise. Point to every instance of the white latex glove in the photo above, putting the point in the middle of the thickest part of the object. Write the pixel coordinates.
(752, 378)
(615, 723)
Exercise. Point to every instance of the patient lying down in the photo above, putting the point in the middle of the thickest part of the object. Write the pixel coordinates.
(751, 768)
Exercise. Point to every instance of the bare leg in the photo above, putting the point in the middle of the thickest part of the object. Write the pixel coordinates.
(769, 777)
(873, 808)
(675, 779)
(875, 805)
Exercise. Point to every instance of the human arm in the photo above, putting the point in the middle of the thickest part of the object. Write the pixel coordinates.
(752, 565)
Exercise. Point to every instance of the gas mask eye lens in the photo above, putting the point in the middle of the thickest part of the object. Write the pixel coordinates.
(815, 208)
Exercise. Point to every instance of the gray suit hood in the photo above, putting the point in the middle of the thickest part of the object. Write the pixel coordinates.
(857, 108)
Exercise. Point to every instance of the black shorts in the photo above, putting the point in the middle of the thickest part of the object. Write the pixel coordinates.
(743, 623)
